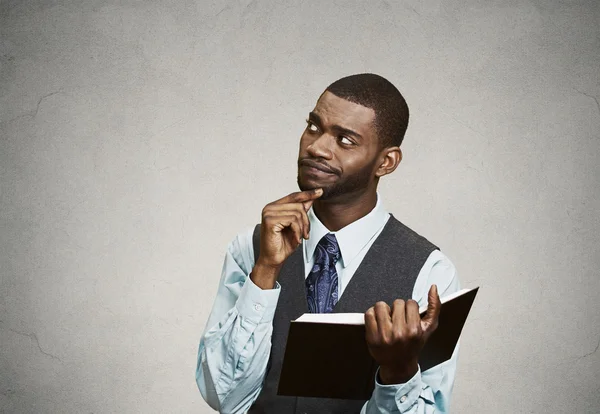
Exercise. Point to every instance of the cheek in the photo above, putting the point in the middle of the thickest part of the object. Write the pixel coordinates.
(305, 141)
(359, 163)
(351, 164)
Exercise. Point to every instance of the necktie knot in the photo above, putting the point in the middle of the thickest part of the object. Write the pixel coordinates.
(327, 250)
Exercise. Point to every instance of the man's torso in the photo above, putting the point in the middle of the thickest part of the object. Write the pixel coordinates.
(388, 271)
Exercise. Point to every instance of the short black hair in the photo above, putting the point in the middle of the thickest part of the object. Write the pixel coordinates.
(379, 94)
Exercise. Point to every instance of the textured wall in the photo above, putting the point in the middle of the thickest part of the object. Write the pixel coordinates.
(138, 137)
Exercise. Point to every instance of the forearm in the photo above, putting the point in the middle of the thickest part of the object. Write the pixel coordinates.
(426, 392)
(231, 367)
(233, 354)
(412, 397)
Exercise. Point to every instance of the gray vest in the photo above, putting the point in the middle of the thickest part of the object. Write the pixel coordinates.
(387, 272)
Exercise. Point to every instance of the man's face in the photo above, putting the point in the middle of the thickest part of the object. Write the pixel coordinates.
(339, 148)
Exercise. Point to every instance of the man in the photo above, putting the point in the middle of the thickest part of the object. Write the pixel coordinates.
(331, 247)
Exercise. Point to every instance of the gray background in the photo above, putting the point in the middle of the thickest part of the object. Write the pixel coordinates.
(138, 137)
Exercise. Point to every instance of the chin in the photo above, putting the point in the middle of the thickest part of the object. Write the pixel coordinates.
(305, 185)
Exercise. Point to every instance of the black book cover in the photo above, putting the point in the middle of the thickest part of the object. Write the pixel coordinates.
(331, 360)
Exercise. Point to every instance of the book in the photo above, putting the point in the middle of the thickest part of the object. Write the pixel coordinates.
(327, 356)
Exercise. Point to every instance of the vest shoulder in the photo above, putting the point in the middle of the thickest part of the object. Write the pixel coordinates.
(405, 234)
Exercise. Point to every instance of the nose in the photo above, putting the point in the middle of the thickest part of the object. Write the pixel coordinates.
(320, 147)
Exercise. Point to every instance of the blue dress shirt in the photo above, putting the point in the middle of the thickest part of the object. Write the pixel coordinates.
(235, 347)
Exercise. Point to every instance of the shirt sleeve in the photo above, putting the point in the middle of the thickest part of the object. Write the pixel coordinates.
(426, 392)
(234, 349)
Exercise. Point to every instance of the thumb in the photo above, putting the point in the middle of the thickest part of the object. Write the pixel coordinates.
(317, 192)
(429, 322)
(307, 205)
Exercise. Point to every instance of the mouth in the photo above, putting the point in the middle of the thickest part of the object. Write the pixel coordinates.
(316, 167)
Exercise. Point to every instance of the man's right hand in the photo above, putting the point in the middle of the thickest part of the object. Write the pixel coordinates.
(284, 224)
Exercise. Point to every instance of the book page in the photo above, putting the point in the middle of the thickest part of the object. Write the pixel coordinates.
(339, 318)
(359, 318)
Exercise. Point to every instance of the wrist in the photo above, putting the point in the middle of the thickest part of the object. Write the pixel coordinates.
(397, 375)
(264, 276)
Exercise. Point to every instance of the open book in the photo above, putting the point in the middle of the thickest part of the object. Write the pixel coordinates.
(327, 356)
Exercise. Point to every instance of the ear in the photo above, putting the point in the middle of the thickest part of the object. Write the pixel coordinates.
(390, 159)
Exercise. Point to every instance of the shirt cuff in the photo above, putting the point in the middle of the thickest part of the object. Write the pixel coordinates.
(398, 396)
(257, 305)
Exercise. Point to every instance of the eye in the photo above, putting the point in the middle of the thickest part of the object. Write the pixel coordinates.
(311, 127)
(345, 140)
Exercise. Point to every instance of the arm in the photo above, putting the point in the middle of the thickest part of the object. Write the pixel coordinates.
(429, 391)
(235, 347)
(234, 350)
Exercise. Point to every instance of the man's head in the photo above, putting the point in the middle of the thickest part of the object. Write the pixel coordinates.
(352, 137)
(375, 92)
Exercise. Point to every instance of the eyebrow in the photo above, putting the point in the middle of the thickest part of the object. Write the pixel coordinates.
(336, 128)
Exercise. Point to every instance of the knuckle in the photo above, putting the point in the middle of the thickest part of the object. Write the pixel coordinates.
(414, 332)
(411, 302)
(385, 339)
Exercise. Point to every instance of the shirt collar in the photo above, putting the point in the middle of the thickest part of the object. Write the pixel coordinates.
(352, 238)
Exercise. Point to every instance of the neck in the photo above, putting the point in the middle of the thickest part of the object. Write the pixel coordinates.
(335, 214)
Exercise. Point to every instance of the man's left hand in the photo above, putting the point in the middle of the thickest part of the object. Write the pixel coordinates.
(396, 336)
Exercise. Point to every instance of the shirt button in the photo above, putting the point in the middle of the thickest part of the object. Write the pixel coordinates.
(257, 307)
(403, 398)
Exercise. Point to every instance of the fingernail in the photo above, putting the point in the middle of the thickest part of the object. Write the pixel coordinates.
(319, 191)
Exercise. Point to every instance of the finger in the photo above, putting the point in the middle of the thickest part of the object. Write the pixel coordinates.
(296, 230)
(371, 330)
(384, 319)
(430, 320)
(308, 204)
(285, 222)
(293, 211)
(306, 222)
(295, 226)
(300, 196)
(297, 208)
(398, 315)
(413, 319)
